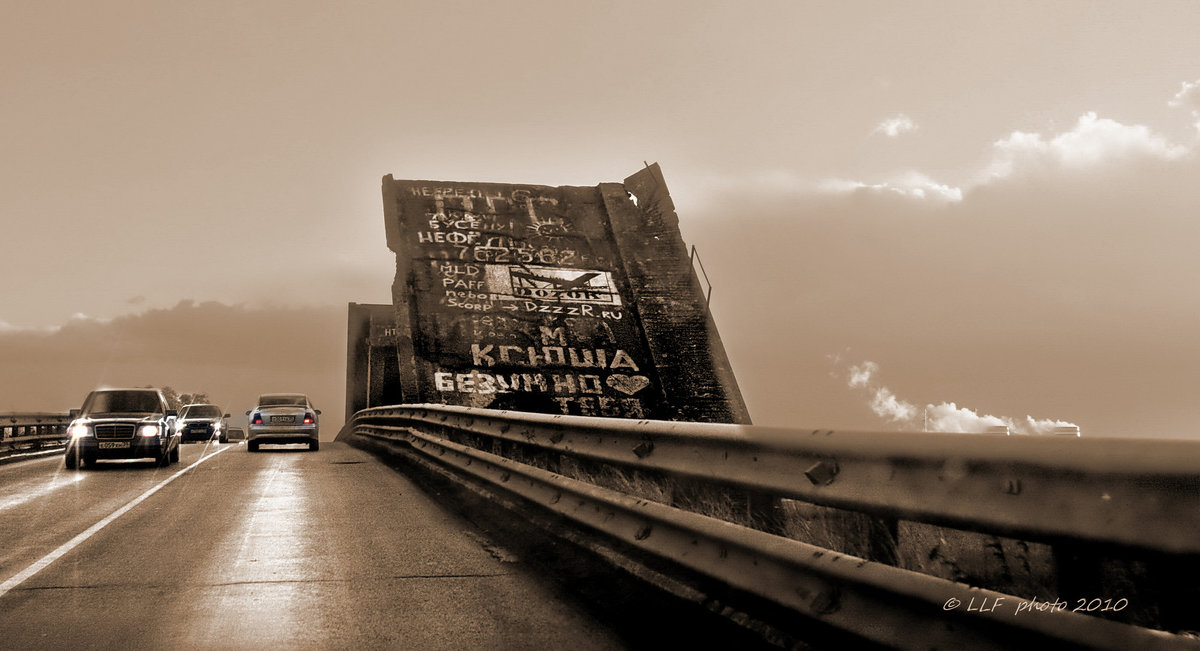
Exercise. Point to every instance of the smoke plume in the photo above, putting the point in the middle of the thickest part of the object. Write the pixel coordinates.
(942, 417)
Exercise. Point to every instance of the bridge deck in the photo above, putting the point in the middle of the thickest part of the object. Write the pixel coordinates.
(279, 549)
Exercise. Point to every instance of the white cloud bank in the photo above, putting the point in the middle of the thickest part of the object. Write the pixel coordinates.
(1092, 144)
(942, 417)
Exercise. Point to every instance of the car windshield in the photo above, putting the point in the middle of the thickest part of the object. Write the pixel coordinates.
(282, 401)
(202, 411)
(122, 402)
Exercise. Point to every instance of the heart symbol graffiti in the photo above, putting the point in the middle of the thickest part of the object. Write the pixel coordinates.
(628, 384)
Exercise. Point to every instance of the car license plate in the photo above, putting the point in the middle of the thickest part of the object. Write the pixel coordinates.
(283, 419)
(113, 444)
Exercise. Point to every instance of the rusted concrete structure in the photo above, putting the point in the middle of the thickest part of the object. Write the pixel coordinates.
(372, 378)
(562, 300)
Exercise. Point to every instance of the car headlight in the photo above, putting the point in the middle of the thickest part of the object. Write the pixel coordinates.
(178, 426)
(216, 427)
(79, 430)
(149, 430)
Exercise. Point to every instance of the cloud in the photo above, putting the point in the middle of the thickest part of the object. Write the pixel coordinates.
(886, 405)
(1065, 287)
(230, 352)
(1068, 295)
(882, 401)
(895, 126)
(1094, 143)
(7, 328)
(1188, 97)
(860, 375)
(911, 185)
(941, 417)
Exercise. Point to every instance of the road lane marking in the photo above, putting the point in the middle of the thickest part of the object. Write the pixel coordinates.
(66, 547)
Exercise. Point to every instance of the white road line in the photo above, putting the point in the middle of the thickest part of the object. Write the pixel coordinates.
(46, 560)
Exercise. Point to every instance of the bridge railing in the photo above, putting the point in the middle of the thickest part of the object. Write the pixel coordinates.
(1089, 500)
(26, 432)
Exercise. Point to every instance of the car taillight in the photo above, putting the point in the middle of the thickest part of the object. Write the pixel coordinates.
(257, 419)
(308, 419)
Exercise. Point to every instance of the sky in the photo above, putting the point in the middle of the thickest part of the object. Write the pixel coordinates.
(914, 215)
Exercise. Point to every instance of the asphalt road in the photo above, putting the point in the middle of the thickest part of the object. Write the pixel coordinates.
(281, 549)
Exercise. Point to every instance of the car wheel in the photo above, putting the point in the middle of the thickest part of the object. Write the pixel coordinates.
(313, 446)
(175, 455)
(252, 446)
(72, 460)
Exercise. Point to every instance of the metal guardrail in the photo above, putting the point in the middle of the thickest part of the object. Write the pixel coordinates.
(29, 432)
(695, 260)
(1142, 495)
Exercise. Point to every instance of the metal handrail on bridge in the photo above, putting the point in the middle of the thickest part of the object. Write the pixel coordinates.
(32, 432)
(1136, 494)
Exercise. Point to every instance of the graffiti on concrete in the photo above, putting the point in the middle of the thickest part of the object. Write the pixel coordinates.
(517, 301)
(562, 300)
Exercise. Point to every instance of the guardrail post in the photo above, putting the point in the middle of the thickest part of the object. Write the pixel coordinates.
(765, 512)
(871, 537)
(1179, 581)
(881, 542)
(1161, 591)
(1078, 571)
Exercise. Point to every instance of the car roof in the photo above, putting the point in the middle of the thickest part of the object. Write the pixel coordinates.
(157, 392)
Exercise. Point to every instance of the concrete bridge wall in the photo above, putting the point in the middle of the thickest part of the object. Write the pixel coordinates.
(561, 300)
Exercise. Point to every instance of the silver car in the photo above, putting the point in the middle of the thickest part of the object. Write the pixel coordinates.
(283, 418)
